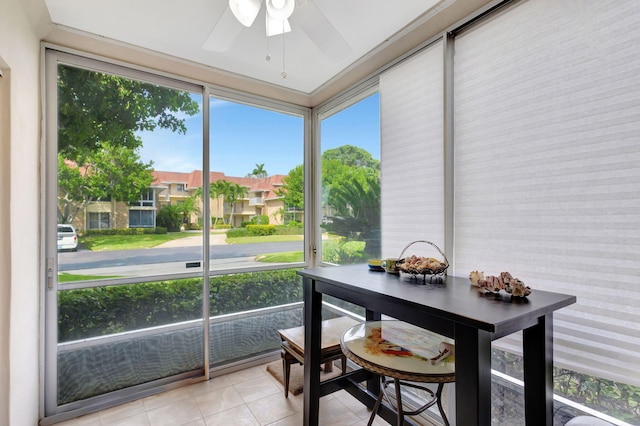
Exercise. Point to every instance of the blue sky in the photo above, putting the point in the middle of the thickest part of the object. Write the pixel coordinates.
(243, 136)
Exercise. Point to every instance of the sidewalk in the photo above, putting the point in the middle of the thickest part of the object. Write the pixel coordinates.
(215, 239)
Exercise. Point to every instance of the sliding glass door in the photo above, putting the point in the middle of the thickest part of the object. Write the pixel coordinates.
(256, 200)
(125, 285)
(174, 225)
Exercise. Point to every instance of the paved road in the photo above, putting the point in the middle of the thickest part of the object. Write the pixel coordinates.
(85, 259)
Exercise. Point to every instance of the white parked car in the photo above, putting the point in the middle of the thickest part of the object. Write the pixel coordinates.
(67, 237)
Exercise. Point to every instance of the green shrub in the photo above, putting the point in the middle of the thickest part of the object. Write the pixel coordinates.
(169, 217)
(262, 219)
(100, 311)
(121, 231)
(236, 233)
(260, 230)
(343, 252)
(161, 230)
(288, 230)
(222, 226)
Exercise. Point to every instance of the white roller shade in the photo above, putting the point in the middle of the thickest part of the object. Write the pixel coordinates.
(412, 182)
(547, 168)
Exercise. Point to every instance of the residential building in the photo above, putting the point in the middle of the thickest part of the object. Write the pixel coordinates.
(172, 188)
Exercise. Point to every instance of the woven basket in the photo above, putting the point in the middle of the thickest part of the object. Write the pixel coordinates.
(436, 268)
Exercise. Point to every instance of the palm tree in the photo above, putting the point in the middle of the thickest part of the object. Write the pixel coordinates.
(189, 207)
(217, 189)
(235, 192)
(259, 171)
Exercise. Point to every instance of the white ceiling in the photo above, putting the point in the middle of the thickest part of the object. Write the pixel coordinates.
(187, 29)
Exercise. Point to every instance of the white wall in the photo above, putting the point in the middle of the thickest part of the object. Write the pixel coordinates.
(19, 217)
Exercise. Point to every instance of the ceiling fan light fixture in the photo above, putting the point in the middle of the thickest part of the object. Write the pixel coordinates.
(277, 26)
(280, 9)
(245, 11)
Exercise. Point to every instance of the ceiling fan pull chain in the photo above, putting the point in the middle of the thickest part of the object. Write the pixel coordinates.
(284, 73)
(268, 57)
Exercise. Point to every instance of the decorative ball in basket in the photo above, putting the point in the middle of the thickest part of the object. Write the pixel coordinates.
(429, 267)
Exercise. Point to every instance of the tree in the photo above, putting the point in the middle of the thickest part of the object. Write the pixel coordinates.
(94, 108)
(355, 203)
(234, 192)
(98, 117)
(188, 207)
(292, 189)
(215, 191)
(258, 172)
(111, 172)
(169, 217)
(352, 156)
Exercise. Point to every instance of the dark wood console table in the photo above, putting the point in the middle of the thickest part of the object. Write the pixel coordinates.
(454, 309)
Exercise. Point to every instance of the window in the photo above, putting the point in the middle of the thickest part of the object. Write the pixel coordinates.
(350, 175)
(181, 187)
(142, 218)
(147, 199)
(98, 220)
(257, 165)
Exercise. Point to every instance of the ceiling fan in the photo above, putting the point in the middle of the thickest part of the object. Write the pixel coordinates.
(303, 14)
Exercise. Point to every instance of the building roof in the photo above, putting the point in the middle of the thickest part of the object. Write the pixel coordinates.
(193, 180)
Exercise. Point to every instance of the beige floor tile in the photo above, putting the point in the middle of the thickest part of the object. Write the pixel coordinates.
(334, 413)
(136, 420)
(273, 408)
(238, 416)
(218, 400)
(248, 374)
(216, 383)
(196, 423)
(355, 406)
(292, 420)
(86, 420)
(176, 414)
(123, 411)
(254, 389)
(166, 398)
(378, 421)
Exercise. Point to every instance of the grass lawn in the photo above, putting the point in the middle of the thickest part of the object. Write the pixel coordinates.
(264, 239)
(65, 277)
(129, 242)
(287, 256)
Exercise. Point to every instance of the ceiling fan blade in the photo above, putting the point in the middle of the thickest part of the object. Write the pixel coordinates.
(320, 30)
(224, 32)
(245, 11)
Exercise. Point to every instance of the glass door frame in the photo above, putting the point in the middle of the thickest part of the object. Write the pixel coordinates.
(54, 56)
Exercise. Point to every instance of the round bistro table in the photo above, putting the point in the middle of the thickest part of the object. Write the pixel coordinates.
(402, 354)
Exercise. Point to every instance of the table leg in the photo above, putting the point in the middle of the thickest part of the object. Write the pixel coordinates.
(373, 384)
(473, 376)
(312, 339)
(537, 347)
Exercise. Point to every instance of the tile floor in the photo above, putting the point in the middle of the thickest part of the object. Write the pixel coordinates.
(248, 397)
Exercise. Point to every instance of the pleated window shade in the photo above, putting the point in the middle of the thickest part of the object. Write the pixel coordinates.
(412, 183)
(547, 168)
